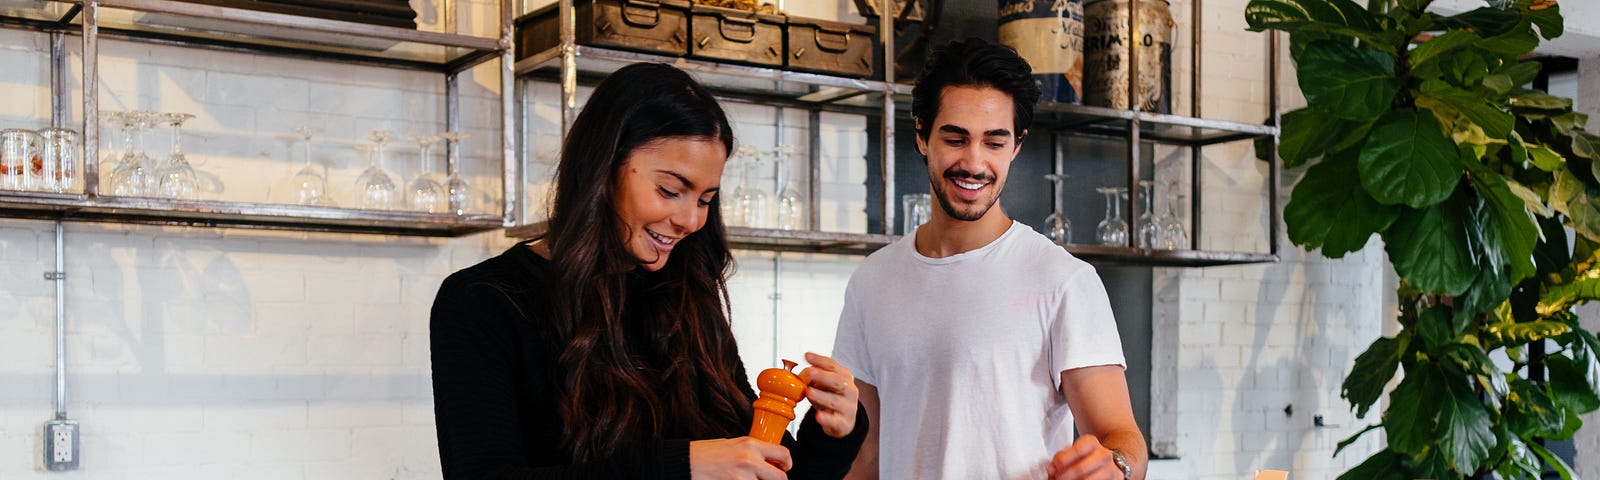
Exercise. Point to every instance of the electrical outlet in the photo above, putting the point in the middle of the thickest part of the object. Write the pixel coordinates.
(61, 445)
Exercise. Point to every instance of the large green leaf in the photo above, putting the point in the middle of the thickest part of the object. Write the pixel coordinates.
(1489, 289)
(1583, 147)
(1520, 461)
(1555, 463)
(1429, 51)
(1574, 381)
(1488, 22)
(1570, 196)
(1544, 158)
(1431, 248)
(1539, 101)
(1523, 73)
(1553, 255)
(1408, 160)
(1345, 81)
(1438, 95)
(1384, 465)
(1341, 17)
(1470, 359)
(1512, 44)
(1511, 231)
(1413, 409)
(1569, 121)
(1435, 329)
(1584, 287)
(1325, 212)
(1549, 21)
(1464, 429)
(1530, 411)
(1463, 68)
(1308, 134)
(1517, 333)
(1373, 369)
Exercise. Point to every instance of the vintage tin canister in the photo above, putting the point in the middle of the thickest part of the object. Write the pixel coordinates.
(1049, 35)
(1105, 49)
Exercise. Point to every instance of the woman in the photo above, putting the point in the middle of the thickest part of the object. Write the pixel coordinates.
(603, 350)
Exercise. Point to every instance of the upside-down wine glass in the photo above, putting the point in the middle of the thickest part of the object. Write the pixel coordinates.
(1057, 227)
(426, 194)
(459, 191)
(311, 186)
(1113, 230)
(375, 188)
(176, 179)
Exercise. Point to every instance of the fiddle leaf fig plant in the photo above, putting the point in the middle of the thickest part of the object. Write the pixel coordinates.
(1419, 128)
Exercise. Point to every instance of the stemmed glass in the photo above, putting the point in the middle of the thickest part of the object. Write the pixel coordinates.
(459, 191)
(734, 206)
(1150, 229)
(1113, 230)
(375, 187)
(752, 198)
(1057, 227)
(131, 175)
(311, 187)
(1175, 236)
(176, 178)
(426, 194)
(791, 203)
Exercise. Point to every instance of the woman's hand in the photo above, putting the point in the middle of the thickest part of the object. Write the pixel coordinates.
(833, 394)
(739, 458)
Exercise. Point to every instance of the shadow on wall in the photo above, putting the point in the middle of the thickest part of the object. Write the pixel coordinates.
(170, 318)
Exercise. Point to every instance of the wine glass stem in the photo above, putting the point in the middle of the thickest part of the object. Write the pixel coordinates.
(177, 145)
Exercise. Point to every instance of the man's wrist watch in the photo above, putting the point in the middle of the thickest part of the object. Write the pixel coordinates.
(1122, 464)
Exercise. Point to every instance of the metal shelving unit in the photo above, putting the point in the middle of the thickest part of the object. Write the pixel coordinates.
(570, 65)
(176, 23)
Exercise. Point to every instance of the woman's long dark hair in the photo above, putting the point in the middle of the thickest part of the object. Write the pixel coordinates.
(678, 379)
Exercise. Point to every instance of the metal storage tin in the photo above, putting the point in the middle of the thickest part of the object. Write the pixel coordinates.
(1105, 48)
(835, 48)
(1049, 34)
(646, 26)
(726, 34)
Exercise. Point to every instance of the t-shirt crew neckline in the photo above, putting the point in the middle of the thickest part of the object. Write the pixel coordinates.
(974, 253)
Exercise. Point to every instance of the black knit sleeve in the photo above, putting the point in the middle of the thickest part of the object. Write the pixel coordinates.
(479, 392)
(817, 455)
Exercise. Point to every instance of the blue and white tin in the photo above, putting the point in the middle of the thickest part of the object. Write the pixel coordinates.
(1049, 35)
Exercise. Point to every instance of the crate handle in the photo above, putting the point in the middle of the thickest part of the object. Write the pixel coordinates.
(842, 45)
(746, 27)
(644, 14)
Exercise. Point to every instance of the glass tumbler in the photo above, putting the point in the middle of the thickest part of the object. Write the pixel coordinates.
(19, 159)
(60, 159)
(917, 208)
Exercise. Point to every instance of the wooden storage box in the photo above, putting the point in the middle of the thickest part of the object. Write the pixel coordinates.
(834, 48)
(738, 36)
(647, 26)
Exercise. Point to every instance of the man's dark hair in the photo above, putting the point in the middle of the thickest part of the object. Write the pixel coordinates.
(974, 63)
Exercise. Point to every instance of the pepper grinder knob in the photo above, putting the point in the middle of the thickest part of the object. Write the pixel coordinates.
(780, 389)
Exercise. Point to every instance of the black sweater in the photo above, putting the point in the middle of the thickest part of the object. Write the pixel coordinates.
(493, 382)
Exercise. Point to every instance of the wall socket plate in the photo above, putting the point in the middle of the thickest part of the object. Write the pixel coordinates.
(61, 445)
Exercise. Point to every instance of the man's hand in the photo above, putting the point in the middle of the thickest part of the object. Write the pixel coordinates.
(1085, 459)
(833, 394)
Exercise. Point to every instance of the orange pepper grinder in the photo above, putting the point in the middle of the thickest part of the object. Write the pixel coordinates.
(781, 389)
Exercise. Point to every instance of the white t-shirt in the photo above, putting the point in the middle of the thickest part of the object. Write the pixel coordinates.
(967, 352)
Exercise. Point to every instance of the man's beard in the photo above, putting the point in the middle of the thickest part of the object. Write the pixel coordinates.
(940, 190)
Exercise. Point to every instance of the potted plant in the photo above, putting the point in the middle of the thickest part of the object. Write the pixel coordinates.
(1418, 129)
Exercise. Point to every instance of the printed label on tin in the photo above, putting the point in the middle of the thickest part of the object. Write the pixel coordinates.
(1049, 35)
(1106, 50)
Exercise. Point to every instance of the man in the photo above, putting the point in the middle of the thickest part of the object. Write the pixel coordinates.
(978, 344)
